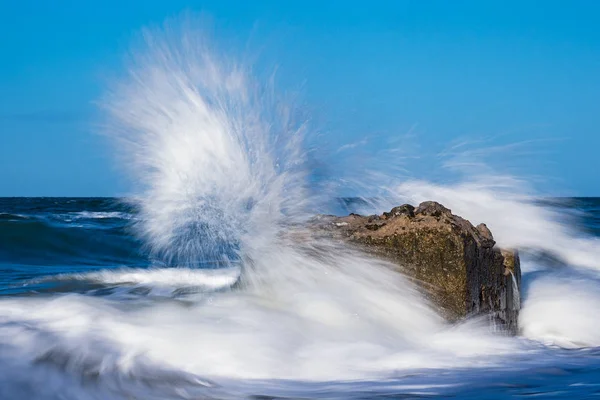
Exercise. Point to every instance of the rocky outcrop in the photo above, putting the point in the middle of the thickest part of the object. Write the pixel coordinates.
(456, 263)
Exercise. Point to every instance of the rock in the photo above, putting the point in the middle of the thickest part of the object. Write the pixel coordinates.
(405, 209)
(457, 264)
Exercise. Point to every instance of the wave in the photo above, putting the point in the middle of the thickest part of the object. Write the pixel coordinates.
(561, 268)
(560, 309)
(40, 240)
(279, 333)
(12, 217)
(98, 215)
(156, 279)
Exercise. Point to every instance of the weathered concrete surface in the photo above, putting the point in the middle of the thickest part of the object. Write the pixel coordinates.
(455, 262)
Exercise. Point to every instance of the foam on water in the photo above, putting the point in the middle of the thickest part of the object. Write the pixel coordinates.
(560, 296)
(172, 278)
(316, 332)
(561, 309)
(99, 215)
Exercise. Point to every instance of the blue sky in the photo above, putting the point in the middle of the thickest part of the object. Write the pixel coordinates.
(443, 71)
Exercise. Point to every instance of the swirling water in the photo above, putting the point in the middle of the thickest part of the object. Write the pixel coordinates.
(205, 285)
(85, 312)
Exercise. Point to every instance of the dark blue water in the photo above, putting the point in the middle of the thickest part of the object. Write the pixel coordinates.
(47, 236)
(42, 238)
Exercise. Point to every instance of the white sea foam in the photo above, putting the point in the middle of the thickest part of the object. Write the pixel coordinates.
(99, 215)
(562, 309)
(559, 305)
(163, 278)
(337, 328)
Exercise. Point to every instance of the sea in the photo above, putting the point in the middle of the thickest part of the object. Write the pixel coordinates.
(203, 281)
(87, 312)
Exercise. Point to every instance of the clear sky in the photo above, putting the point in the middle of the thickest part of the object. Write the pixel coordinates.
(513, 70)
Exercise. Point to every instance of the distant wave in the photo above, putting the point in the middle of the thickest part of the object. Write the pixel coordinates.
(12, 217)
(51, 239)
(101, 214)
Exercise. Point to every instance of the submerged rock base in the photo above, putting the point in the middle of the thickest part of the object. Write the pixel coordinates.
(457, 264)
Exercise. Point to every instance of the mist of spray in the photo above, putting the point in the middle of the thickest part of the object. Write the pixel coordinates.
(218, 157)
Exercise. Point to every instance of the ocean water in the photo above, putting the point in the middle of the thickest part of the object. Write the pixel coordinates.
(86, 311)
(205, 284)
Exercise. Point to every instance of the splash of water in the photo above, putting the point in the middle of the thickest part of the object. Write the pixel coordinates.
(516, 292)
(559, 298)
(218, 157)
(215, 154)
(222, 166)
